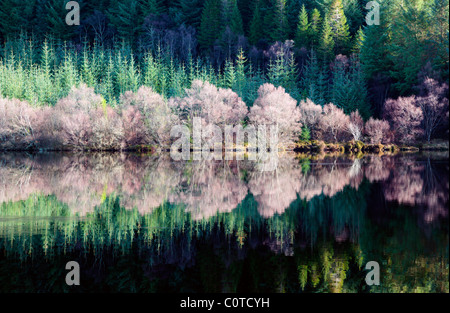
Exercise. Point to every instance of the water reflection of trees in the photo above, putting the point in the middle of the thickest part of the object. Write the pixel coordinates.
(205, 188)
(209, 187)
(420, 183)
(168, 210)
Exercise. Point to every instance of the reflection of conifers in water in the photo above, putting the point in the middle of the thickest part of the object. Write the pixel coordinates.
(166, 209)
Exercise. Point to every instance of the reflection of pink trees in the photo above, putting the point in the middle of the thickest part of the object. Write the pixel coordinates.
(418, 185)
(406, 183)
(210, 187)
(83, 182)
(147, 182)
(378, 168)
(329, 178)
(275, 190)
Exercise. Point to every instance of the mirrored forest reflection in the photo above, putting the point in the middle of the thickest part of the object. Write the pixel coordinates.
(147, 223)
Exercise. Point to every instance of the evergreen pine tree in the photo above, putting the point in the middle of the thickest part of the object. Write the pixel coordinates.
(191, 11)
(326, 43)
(339, 27)
(322, 86)
(55, 17)
(358, 41)
(315, 28)
(86, 69)
(151, 7)
(210, 25)
(277, 70)
(236, 25)
(256, 26)
(292, 11)
(240, 73)
(302, 36)
(354, 13)
(229, 74)
(348, 90)
(291, 81)
(373, 53)
(280, 24)
(315, 80)
(124, 16)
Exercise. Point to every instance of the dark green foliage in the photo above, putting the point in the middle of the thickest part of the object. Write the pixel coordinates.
(315, 80)
(279, 23)
(56, 22)
(348, 90)
(16, 16)
(124, 16)
(191, 11)
(151, 7)
(292, 11)
(419, 35)
(374, 50)
(210, 25)
(354, 13)
(246, 7)
(256, 26)
(236, 25)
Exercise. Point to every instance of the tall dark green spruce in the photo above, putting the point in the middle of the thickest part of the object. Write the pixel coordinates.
(147, 7)
(292, 12)
(16, 16)
(191, 11)
(246, 8)
(358, 41)
(56, 22)
(280, 24)
(354, 13)
(126, 19)
(210, 24)
(236, 24)
(256, 25)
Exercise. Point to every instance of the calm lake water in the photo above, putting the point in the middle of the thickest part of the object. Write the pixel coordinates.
(149, 224)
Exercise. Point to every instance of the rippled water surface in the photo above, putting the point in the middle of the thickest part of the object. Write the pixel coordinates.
(150, 224)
